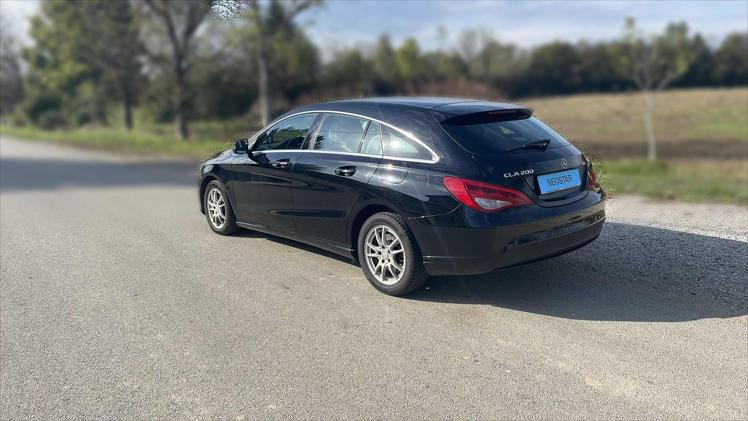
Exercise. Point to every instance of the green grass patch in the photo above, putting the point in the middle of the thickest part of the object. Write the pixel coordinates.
(690, 181)
(136, 141)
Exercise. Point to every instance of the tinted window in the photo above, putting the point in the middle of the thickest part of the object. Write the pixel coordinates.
(339, 133)
(372, 143)
(288, 134)
(398, 145)
(498, 136)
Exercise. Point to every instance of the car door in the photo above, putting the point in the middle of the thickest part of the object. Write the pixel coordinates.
(329, 176)
(262, 182)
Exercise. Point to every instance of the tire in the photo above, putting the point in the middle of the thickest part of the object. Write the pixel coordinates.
(216, 193)
(385, 276)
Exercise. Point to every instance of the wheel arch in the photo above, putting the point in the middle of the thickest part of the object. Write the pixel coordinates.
(204, 184)
(364, 212)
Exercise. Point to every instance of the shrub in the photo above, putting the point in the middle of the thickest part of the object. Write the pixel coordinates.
(50, 119)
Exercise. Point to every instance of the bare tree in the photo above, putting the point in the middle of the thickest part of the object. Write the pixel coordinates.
(653, 63)
(269, 20)
(181, 19)
(267, 26)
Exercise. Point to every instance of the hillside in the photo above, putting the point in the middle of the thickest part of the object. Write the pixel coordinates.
(701, 123)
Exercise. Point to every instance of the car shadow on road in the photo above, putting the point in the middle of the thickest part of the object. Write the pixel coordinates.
(630, 273)
(26, 174)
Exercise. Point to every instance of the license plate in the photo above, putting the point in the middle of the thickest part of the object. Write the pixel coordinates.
(558, 181)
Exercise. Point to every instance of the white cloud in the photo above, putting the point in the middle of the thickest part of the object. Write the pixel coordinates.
(16, 15)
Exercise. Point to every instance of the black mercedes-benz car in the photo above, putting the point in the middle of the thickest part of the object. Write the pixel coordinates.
(410, 187)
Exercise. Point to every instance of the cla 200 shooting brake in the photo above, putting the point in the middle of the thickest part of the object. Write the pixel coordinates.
(410, 187)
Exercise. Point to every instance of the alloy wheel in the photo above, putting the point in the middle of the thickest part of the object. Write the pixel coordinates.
(216, 208)
(385, 255)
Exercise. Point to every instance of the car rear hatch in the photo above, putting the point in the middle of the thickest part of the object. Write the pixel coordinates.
(515, 150)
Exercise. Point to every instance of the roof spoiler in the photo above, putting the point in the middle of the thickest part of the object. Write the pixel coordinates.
(489, 116)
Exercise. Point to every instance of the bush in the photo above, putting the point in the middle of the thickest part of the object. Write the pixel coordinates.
(50, 119)
(37, 104)
(19, 118)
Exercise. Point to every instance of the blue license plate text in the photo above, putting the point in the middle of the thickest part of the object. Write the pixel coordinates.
(558, 181)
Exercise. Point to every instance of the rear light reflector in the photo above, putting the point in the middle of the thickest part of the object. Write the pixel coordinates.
(484, 197)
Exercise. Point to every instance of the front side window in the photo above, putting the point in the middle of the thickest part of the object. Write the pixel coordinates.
(396, 144)
(339, 133)
(287, 134)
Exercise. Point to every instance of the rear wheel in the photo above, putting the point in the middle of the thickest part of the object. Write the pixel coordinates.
(218, 209)
(389, 255)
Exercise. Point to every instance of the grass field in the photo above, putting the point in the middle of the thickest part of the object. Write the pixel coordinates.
(137, 141)
(685, 180)
(698, 123)
(702, 139)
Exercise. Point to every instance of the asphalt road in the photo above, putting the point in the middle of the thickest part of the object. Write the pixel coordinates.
(117, 301)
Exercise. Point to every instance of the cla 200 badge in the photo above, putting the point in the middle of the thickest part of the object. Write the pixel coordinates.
(516, 173)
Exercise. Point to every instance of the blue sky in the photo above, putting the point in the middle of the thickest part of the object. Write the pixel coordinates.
(526, 23)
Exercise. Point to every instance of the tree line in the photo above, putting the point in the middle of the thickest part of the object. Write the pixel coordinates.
(178, 61)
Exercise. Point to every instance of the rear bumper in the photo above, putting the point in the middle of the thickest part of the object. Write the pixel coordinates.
(451, 250)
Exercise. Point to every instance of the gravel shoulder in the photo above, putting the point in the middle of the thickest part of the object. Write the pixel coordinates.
(710, 219)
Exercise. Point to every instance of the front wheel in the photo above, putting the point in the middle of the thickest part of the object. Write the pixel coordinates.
(218, 209)
(389, 255)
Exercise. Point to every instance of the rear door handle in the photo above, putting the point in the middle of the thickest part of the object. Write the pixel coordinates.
(346, 171)
(281, 163)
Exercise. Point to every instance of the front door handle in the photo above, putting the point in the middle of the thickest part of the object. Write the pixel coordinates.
(346, 171)
(281, 163)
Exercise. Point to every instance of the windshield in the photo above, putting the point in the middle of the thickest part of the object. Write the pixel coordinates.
(495, 137)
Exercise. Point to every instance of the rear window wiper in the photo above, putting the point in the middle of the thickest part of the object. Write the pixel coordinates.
(538, 144)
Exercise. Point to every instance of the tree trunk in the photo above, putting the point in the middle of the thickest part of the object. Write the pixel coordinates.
(260, 50)
(262, 81)
(127, 106)
(183, 130)
(100, 105)
(263, 89)
(649, 101)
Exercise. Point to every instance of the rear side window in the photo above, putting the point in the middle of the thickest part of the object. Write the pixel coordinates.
(287, 134)
(372, 143)
(339, 133)
(495, 137)
(397, 145)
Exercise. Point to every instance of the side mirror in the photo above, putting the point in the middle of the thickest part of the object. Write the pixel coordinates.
(241, 146)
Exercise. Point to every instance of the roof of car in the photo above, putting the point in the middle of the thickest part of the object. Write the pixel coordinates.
(423, 102)
(386, 108)
(419, 101)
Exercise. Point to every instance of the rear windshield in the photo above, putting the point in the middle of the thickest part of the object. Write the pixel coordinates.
(494, 137)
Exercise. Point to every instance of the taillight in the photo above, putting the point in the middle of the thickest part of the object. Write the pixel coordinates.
(484, 197)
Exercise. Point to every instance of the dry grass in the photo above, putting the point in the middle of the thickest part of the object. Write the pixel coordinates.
(136, 141)
(694, 123)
